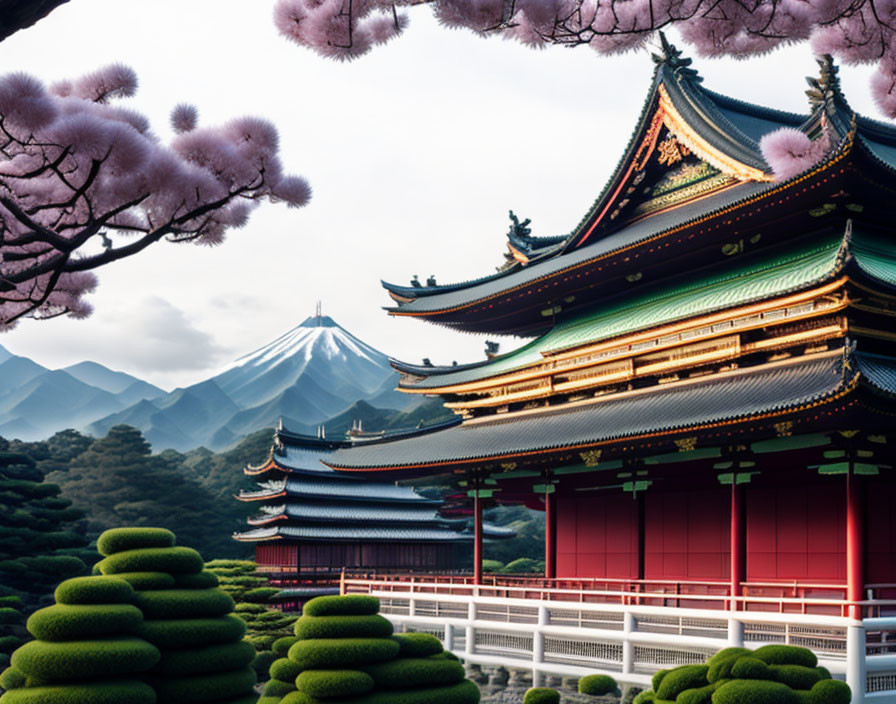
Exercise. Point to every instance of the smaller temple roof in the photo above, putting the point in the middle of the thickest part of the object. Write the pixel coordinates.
(766, 390)
(349, 488)
(346, 513)
(354, 534)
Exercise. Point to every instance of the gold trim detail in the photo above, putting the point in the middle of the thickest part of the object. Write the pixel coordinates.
(686, 444)
(591, 458)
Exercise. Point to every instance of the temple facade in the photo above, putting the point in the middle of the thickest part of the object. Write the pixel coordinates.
(704, 410)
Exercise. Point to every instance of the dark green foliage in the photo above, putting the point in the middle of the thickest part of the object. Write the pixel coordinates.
(334, 683)
(374, 626)
(11, 678)
(658, 678)
(269, 700)
(541, 695)
(250, 608)
(183, 603)
(262, 662)
(285, 670)
(94, 693)
(824, 672)
(464, 693)
(74, 661)
(795, 676)
(721, 663)
(94, 590)
(187, 633)
(645, 697)
(680, 679)
(282, 645)
(260, 595)
(748, 668)
(212, 658)
(596, 685)
(445, 655)
(492, 566)
(352, 605)
(417, 645)
(754, 692)
(342, 652)
(279, 688)
(830, 692)
(203, 688)
(123, 539)
(786, 655)
(79, 621)
(727, 654)
(147, 580)
(699, 695)
(172, 560)
(202, 580)
(523, 565)
(412, 673)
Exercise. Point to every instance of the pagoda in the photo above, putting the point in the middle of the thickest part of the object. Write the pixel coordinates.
(708, 395)
(314, 522)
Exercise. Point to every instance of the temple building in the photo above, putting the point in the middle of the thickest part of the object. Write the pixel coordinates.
(313, 522)
(704, 411)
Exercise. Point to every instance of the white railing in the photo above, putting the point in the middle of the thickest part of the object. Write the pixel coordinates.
(551, 634)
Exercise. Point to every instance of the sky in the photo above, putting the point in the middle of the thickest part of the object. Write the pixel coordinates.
(415, 153)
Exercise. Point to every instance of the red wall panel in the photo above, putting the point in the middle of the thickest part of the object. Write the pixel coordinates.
(597, 535)
(880, 533)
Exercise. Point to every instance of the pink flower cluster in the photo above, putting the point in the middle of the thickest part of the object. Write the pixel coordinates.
(790, 152)
(84, 182)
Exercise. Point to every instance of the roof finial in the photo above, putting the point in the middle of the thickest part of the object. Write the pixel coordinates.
(318, 312)
(671, 56)
(826, 87)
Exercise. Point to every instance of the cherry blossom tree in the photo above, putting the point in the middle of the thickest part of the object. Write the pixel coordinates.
(84, 182)
(854, 31)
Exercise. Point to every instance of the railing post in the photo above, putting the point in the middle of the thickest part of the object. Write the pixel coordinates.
(470, 646)
(856, 675)
(735, 633)
(628, 648)
(544, 618)
(449, 637)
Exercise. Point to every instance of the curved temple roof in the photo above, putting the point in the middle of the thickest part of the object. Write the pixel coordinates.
(765, 390)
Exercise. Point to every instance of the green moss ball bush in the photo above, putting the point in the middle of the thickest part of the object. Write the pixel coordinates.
(262, 662)
(786, 655)
(212, 658)
(417, 645)
(79, 621)
(342, 652)
(352, 605)
(94, 693)
(645, 697)
(830, 692)
(699, 695)
(412, 673)
(372, 626)
(147, 580)
(465, 692)
(11, 678)
(681, 678)
(327, 684)
(202, 580)
(124, 539)
(72, 661)
(94, 590)
(281, 646)
(285, 670)
(183, 603)
(187, 633)
(796, 676)
(278, 688)
(217, 687)
(269, 700)
(754, 692)
(177, 560)
(749, 668)
(597, 685)
(541, 695)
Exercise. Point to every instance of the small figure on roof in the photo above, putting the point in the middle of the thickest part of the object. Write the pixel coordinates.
(427, 362)
(431, 281)
(517, 228)
(491, 349)
(415, 282)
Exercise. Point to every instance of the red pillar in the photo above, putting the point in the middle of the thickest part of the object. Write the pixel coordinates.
(855, 542)
(477, 538)
(738, 540)
(550, 535)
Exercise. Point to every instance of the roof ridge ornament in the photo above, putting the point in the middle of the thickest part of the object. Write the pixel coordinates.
(671, 56)
(826, 88)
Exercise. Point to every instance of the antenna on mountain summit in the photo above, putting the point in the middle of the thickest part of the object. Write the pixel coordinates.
(318, 313)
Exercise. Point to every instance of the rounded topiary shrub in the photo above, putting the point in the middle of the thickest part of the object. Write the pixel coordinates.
(681, 678)
(786, 655)
(417, 645)
(413, 673)
(830, 692)
(352, 605)
(203, 658)
(86, 651)
(370, 626)
(597, 685)
(754, 692)
(541, 695)
(328, 653)
(328, 684)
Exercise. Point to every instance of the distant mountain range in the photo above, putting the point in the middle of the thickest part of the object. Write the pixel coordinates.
(316, 373)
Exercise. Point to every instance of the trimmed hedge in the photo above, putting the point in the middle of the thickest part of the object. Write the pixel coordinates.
(541, 695)
(84, 660)
(417, 645)
(281, 646)
(94, 590)
(749, 668)
(342, 652)
(352, 605)
(645, 697)
(597, 685)
(187, 633)
(682, 678)
(699, 695)
(754, 692)
(122, 539)
(200, 580)
(410, 673)
(176, 560)
(183, 603)
(203, 688)
(796, 676)
(464, 693)
(334, 683)
(786, 655)
(211, 659)
(830, 692)
(11, 678)
(278, 688)
(269, 700)
(285, 670)
(147, 580)
(657, 678)
(82, 621)
(372, 626)
(115, 692)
